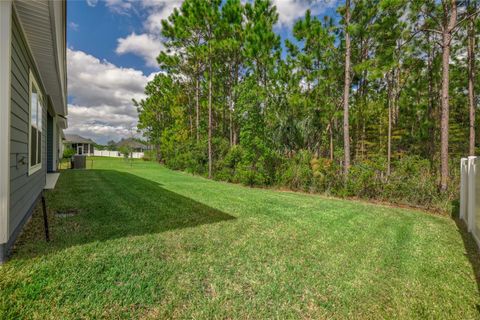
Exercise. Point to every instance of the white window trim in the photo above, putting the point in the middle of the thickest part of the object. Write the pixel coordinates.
(38, 166)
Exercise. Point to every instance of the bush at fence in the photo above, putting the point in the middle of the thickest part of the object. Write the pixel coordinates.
(412, 182)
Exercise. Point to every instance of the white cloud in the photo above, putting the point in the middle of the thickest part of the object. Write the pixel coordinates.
(158, 11)
(291, 10)
(119, 6)
(144, 45)
(74, 26)
(101, 95)
(92, 3)
(100, 123)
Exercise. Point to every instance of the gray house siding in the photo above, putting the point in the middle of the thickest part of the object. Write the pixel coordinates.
(24, 189)
(50, 142)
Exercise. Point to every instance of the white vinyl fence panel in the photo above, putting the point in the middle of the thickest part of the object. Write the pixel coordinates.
(137, 155)
(463, 188)
(116, 154)
(469, 193)
(106, 153)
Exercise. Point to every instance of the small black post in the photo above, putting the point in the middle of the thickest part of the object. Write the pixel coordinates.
(45, 218)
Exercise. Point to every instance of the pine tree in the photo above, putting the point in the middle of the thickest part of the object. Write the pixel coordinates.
(346, 89)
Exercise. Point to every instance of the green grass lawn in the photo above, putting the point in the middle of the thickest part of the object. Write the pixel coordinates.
(148, 242)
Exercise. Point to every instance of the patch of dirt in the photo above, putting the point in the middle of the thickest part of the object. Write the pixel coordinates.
(66, 213)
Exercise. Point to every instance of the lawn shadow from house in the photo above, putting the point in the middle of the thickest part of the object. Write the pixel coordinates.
(471, 249)
(111, 205)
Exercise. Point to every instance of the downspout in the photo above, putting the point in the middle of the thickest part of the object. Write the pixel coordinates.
(5, 60)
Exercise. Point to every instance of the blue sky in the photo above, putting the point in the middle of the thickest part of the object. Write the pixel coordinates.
(95, 30)
(112, 45)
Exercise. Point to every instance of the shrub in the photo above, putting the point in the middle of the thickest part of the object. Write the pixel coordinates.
(250, 176)
(125, 151)
(149, 155)
(226, 168)
(327, 176)
(296, 172)
(412, 181)
(68, 153)
(365, 179)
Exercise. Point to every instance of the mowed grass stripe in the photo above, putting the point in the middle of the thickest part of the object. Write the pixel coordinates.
(149, 242)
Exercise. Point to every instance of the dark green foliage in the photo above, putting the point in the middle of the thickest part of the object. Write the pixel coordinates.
(68, 153)
(366, 178)
(296, 173)
(229, 97)
(149, 155)
(125, 151)
(227, 168)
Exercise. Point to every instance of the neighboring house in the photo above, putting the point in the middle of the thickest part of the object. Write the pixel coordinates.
(33, 106)
(134, 145)
(79, 144)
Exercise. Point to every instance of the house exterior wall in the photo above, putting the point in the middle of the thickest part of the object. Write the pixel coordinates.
(60, 145)
(56, 147)
(24, 188)
(50, 141)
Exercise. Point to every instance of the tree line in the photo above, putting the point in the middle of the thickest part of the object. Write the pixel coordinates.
(380, 92)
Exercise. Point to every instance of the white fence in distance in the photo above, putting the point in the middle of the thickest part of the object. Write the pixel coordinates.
(137, 155)
(469, 192)
(116, 154)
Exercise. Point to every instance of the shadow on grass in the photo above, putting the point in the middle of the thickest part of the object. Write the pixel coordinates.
(471, 249)
(110, 204)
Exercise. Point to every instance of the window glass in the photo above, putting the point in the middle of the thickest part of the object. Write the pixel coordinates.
(36, 127)
(39, 115)
(33, 106)
(39, 147)
(33, 147)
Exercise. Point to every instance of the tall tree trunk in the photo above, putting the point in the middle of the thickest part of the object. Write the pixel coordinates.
(330, 131)
(190, 119)
(471, 82)
(346, 91)
(396, 96)
(430, 144)
(229, 104)
(224, 118)
(210, 118)
(364, 137)
(231, 126)
(190, 122)
(158, 147)
(444, 128)
(159, 152)
(197, 106)
(389, 133)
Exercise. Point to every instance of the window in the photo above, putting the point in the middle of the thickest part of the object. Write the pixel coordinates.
(36, 127)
